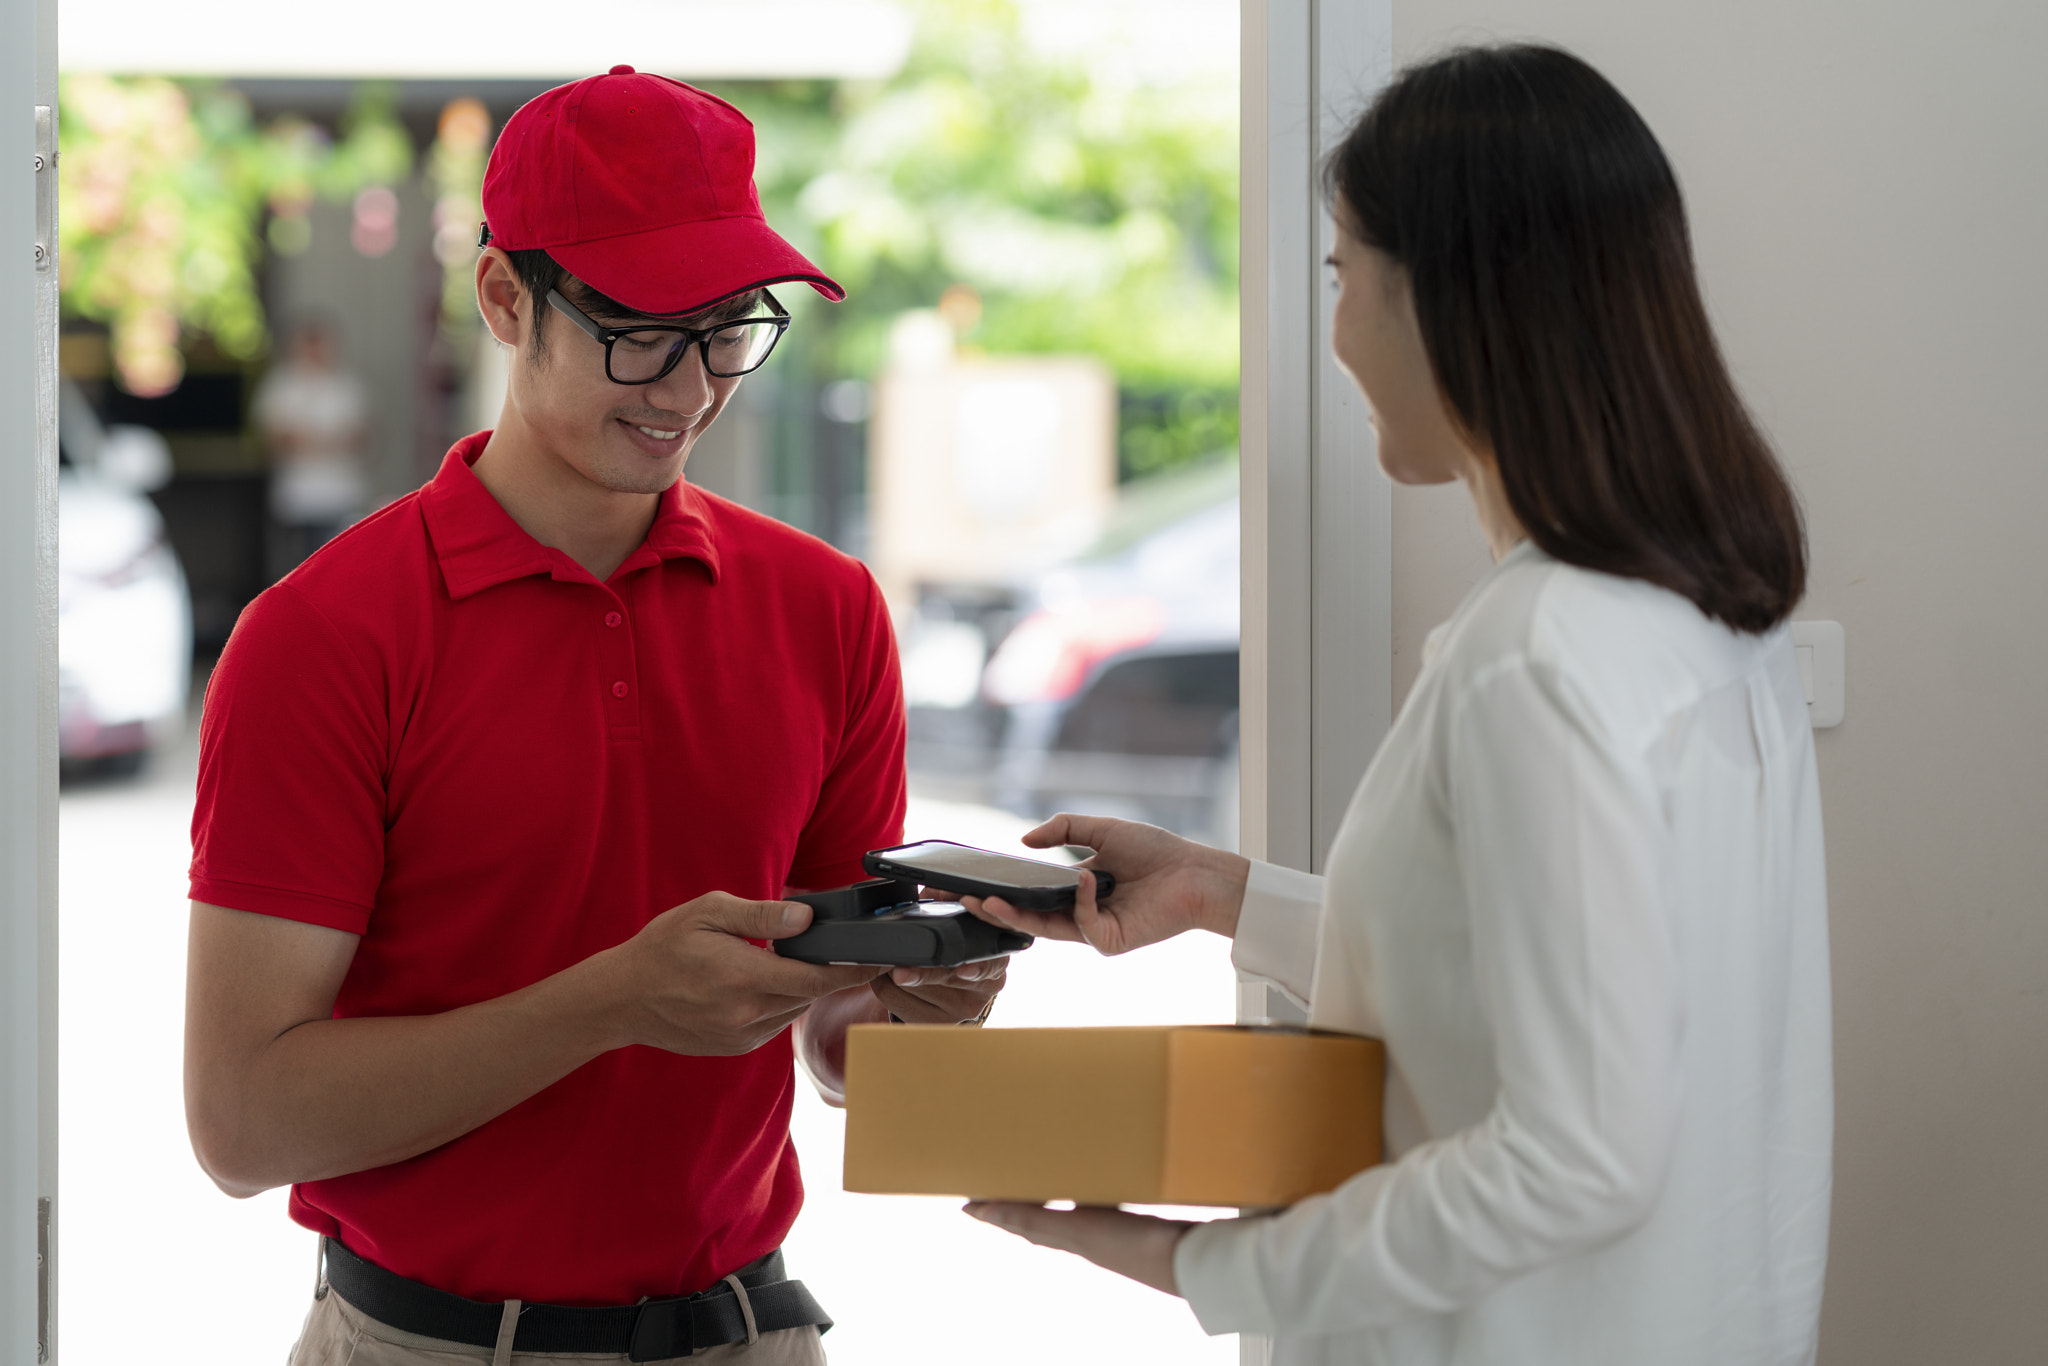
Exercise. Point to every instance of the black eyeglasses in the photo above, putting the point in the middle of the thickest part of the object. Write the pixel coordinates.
(642, 355)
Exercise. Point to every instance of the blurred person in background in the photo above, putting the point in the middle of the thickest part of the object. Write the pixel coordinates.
(314, 416)
(1580, 892)
(499, 795)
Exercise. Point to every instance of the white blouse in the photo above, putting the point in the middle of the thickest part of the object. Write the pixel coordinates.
(1581, 895)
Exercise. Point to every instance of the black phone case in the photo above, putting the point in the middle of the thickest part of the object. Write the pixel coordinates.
(881, 865)
(882, 924)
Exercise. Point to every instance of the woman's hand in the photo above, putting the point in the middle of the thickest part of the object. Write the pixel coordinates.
(1134, 1245)
(1164, 886)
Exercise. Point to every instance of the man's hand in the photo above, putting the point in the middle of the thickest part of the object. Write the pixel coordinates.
(690, 982)
(1164, 886)
(940, 995)
(930, 996)
(1134, 1245)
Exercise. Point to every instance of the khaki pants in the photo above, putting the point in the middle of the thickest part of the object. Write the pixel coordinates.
(339, 1334)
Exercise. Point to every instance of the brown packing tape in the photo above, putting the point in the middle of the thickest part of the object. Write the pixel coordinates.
(1172, 1115)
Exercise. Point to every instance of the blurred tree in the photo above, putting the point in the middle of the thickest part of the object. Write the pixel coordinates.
(455, 166)
(1042, 207)
(163, 190)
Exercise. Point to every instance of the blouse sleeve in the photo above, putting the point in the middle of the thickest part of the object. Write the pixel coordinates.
(1277, 928)
(1561, 851)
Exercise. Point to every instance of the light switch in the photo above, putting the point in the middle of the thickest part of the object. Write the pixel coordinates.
(1819, 648)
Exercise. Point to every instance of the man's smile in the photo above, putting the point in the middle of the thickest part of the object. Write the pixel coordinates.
(662, 437)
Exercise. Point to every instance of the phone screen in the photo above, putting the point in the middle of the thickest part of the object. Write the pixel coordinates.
(957, 860)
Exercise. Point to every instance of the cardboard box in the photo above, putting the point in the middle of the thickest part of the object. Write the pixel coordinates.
(1169, 1116)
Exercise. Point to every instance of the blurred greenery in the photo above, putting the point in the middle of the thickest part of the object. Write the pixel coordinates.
(455, 169)
(164, 186)
(1041, 206)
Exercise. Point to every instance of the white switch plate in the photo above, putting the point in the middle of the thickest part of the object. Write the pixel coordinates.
(1819, 648)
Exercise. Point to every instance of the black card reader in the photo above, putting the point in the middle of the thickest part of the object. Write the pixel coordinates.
(881, 922)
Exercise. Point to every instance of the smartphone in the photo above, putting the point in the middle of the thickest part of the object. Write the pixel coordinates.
(966, 871)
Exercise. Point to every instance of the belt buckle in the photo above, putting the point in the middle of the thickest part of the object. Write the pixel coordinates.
(662, 1331)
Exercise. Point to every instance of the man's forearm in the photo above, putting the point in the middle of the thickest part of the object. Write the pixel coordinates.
(276, 1091)
(330, 1097)
(821, 1037)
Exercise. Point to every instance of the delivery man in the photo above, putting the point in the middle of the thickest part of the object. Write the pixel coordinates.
(498, 794)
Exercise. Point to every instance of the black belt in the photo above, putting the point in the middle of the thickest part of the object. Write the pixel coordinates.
(656, 1330)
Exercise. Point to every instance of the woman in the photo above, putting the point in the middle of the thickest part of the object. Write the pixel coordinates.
(1580, 892)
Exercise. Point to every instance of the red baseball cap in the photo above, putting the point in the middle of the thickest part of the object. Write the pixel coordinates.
(642, 188)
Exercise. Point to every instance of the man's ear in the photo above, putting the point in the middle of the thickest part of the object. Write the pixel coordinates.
(501, 297)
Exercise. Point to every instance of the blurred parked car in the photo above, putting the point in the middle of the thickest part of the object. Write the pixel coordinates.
(124, 617)
(1106, 684)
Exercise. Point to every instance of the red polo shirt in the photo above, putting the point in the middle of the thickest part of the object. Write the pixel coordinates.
(451, 740)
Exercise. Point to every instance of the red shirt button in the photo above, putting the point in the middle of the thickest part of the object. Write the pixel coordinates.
(618, 690)
(612, 618)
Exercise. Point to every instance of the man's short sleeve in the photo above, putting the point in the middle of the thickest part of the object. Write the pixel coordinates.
(290, 813)
(861, 803)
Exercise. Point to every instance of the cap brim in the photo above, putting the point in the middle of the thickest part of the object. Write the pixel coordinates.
(690, 266)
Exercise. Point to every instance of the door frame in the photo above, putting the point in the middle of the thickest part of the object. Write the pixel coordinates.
(1317, 654)
(28, 684)
(1316, 660)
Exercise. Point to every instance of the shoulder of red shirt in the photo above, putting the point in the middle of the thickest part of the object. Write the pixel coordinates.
(374, 566)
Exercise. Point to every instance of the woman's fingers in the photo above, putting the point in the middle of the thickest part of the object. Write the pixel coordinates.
(1053, 832)
(1101, 931)
(1134, 1245)
(1044, 924)
(1086, 924)
(1068, 828)
(1032, 1223)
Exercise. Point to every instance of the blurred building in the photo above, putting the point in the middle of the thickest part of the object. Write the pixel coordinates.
(984, 469)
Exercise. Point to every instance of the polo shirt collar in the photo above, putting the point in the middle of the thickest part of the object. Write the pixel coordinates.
(478, 545)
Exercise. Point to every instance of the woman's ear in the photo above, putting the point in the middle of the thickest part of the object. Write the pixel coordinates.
(501, 297)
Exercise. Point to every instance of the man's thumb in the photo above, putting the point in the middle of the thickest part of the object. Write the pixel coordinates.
(760, 919)
(781, 919)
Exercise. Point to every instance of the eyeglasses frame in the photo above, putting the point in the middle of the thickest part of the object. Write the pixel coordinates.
(699, 336)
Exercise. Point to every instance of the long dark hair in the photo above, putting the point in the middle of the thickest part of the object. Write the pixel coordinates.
(1544, 236)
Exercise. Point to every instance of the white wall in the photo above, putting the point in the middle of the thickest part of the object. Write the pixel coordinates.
(1868, 182)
